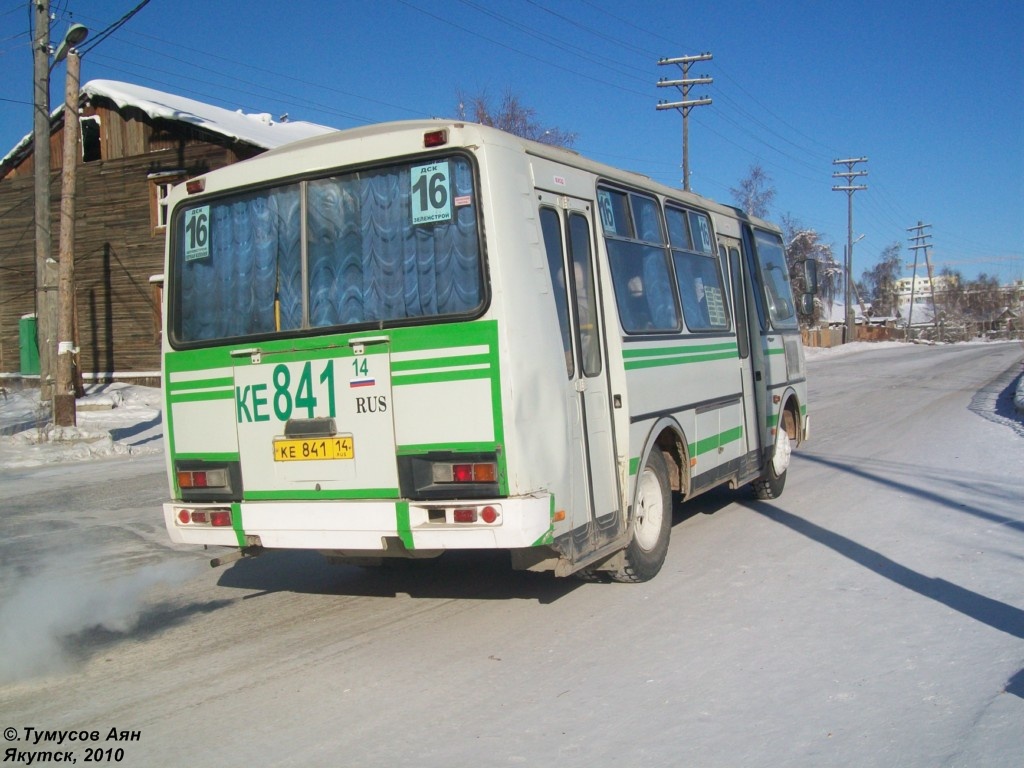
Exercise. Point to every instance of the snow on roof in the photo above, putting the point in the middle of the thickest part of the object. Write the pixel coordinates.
(257, 129)
(260, 130)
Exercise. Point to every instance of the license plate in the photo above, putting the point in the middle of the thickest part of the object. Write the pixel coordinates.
(314, 449)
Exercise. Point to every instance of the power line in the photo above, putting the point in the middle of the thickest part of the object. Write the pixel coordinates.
(105, 33)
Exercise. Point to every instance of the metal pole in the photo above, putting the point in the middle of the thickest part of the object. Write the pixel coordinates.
(46, 273)
(64, 411)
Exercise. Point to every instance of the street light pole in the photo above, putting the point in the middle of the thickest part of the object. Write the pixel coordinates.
(64, 411)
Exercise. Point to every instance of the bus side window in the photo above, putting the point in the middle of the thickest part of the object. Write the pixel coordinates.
(739, 297)
(552, 231)
(700, 288)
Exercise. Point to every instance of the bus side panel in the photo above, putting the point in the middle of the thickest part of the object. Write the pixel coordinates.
(694, 380)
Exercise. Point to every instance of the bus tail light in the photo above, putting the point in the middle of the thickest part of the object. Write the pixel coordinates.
(487, 514)
(218, 518)
(464, 515)
(203, 478)
(450, 475)
(217, 481)
(478, 472)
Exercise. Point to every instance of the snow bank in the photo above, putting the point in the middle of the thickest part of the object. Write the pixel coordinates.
(113, 420)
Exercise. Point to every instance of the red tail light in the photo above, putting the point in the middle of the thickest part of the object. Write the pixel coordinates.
(219, 518)
(479, 472)
(202, 478)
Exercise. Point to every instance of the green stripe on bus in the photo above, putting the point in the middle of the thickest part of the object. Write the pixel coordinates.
(198, 397)
(548, 537)
(678, 360)
(440, 376)
(714, 442)
(730, 435)
(218, 457)
(236, 523)
(403, 524)
(439, 362)
(634, 466)
(412, 339)
(178, 386)
(687, 349)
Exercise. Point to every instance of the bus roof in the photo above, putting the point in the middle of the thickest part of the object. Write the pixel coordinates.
(482, 134)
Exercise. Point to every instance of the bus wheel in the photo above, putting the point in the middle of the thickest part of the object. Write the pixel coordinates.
(770, 484)
(652, 523)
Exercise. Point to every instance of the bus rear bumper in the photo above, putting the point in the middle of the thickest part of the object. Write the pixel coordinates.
(369, 526)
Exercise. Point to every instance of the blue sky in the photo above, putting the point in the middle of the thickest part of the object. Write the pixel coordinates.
(931, 93)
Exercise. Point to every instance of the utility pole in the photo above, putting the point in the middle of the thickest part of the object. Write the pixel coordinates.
(687, 103)
(849, 188)
(46, 267)
(919, 241)
(64, 410)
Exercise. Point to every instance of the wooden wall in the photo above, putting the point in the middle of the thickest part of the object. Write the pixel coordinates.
(116, 248)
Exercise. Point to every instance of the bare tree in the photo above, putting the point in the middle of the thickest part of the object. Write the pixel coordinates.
(802, 244)
(511, 115)
(755, 193)
(879, 282)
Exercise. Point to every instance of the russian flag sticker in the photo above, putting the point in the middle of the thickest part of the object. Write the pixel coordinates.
(365, 381)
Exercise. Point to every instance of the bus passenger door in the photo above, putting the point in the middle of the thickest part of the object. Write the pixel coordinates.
(595, 512)
(750, 353)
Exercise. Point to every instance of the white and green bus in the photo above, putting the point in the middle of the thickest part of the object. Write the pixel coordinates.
(409, 338)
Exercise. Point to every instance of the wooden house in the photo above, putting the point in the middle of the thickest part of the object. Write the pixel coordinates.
(136, 143)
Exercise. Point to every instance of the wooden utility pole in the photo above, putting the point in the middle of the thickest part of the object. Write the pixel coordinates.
(64, 410)
(686, 104)
(46, 267)
(849, 188)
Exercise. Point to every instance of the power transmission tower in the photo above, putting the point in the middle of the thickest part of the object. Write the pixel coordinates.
(919, 241)
(687, 103)
(849, 188)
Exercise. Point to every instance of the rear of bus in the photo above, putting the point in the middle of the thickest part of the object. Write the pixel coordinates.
(332, 367)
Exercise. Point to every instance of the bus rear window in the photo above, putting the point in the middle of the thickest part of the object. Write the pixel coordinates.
(372, 247)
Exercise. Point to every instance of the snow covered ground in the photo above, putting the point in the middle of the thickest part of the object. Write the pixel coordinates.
(113, 420)
(871, 617)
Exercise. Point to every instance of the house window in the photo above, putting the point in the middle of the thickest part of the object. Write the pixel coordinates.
(159, 188)
(91, 147)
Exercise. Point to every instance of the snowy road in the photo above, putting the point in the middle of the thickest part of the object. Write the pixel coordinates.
(872, 616)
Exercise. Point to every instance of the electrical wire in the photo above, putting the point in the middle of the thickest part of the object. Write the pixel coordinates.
(105, 33)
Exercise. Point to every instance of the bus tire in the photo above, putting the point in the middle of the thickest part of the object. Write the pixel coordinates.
(770, 484)
(651, 525)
